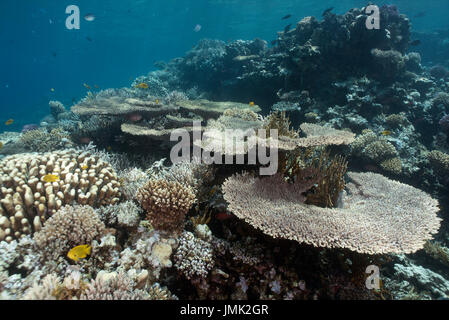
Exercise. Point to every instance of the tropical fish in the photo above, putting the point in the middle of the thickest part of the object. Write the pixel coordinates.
(52, 89)
(96, 86)
(243, 58)
(157, 101)
(85, 167)
(286, 17)
(1, 144)
(251, 103)
(9, 122)
(287, 28)
(89, 39)
(89, 17)
(223, 216)
(51, 178)
(142, 85)
(328, 10)
(109, 148)
(79, 252)
(420, 14)
(86, 86)
(386, 133)
(415, 43)
(197, 28)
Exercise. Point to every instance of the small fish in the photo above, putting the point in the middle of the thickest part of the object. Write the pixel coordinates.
(286, 17)
(89, 39)
(142, 85)
(287, 28)
(9, 122)
(109, 148)
(223, 216)
(1, 144)
(415, 43)
(85, 167)
(79, 252)
(50, 21)
(52, 89)
(89, 17)
(328, 10)
(197, 28)
(86, 86)
(96, 86)
(157, 101)
(51, 178)
(252, 104)
(420, 14)
(212, 191)
(386, 133)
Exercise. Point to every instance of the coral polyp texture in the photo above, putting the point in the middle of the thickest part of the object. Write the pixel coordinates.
(166, 203)
(27, 200)
(378, 215)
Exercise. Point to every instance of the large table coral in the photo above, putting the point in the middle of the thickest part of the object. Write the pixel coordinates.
(379, 215)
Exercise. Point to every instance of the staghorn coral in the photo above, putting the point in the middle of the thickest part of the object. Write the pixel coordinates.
(277, 120)
(70, 226)
(193, 257)
(166, 203)
(379, 215)
(43, 141)
(331, 183)
(27, 200)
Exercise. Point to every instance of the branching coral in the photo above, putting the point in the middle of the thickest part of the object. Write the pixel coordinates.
(379, 215)
(43, 141)
(70, 226)
(27, 200)
(194, 257)
(166, 203)
(279, 121)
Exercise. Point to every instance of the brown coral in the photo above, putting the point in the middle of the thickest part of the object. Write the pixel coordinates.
(166, 203)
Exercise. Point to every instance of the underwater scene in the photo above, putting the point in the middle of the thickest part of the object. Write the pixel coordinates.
(224, 150)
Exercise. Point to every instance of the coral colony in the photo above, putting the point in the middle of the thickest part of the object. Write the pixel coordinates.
(306, 164)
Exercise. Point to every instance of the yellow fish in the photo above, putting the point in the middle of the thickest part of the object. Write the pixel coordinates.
(51, 178)
(86, 85)
(79, 252)
(10, 121)
(96, 86)
(157, 101)
(109, 148)
(85, 167)
(142, 86)
(251, 103)
(1, 145)
(386, 133)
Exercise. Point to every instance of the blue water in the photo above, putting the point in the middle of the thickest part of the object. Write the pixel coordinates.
(38, 53)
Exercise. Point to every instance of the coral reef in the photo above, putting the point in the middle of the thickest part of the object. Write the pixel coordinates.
(378, 206)
(166, 203)
(27, 200)
(69, 227)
